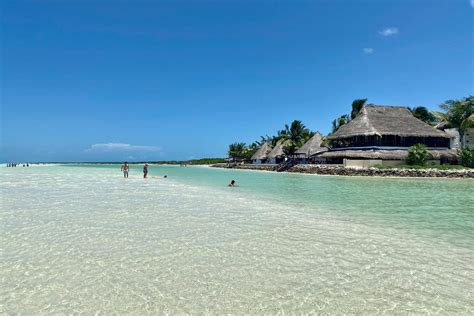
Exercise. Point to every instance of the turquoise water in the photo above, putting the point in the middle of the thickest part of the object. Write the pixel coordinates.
(83, 239)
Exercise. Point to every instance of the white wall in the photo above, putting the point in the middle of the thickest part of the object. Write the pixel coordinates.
(361, 163)
(454, 141)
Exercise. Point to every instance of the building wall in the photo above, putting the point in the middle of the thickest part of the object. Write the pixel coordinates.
(468, 141)
(393, 162)
(276, 160)
(367, 163)
(455, 140)
(361, 163)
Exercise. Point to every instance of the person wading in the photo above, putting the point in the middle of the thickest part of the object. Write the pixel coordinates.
(145, 170)
(124, 169)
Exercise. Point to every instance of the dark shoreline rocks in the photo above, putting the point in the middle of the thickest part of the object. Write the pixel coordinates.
(342, 171)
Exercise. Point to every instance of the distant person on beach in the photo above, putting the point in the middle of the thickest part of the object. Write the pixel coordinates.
(232, 184)
(124, 169)
(145, 170)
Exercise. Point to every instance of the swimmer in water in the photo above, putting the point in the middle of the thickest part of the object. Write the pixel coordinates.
(232, 184)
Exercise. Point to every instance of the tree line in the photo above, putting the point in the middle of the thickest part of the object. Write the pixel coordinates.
(291, 137)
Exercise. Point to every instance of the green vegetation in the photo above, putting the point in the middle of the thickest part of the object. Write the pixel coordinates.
(466, 157)
(293, 137)
(341, 120)
(424, 115)
(241, 152)
(418, 155)
(357, 105)
(205, 161)
(458, 114)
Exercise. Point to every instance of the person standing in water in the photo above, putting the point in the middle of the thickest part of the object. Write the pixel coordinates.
(145, 170)
(124, 169)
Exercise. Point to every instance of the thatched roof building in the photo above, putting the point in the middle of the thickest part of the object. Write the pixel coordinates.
(277, 151)
(312, 146)
(388, 126)
(401, 154)
(262, 152)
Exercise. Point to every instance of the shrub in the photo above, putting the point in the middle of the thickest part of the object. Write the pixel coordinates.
(418, 155)
(466, 157)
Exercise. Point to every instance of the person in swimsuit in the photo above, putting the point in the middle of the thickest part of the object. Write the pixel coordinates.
(124, 169)
(145, 170)
(232, 184)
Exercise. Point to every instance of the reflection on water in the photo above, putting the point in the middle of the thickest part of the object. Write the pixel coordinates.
(83, 239)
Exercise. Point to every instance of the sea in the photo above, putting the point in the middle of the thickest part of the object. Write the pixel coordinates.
(82, 239)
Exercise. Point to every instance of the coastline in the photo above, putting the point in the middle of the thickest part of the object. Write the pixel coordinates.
(366, 172)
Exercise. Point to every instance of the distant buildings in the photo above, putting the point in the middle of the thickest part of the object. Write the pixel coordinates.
(261, 155)
(277, 155)
(311, 149)
(378, 135)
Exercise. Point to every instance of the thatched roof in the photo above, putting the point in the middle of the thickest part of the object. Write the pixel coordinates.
(277, 151)
(386, 154)
(312, 146)
(386, 120)
(262, 152)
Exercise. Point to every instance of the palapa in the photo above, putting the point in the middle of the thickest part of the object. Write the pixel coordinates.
(262, 152)
(386, 120)
(312, 147)
(277, 151)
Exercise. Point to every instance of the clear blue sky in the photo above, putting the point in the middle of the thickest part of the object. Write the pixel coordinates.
(155, 80)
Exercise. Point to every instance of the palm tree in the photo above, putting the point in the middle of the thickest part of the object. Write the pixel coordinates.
(341, 120)
(263, 140)
(297, 131)
(458, 114)
(357, 105)
(251, 150)
(237, 150)
(296, 135)
(282, 134)
(422, 113)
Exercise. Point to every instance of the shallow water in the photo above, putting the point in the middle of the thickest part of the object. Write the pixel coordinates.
(83, 239)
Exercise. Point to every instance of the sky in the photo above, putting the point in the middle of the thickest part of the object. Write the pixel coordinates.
(161, 80)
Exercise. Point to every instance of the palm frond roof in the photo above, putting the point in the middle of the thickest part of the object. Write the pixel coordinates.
(262, 152)
(277, 151)
(312, 146)
(386, 120)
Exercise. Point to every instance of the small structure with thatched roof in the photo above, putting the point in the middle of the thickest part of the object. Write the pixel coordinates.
(310, 149)
(393, 126)
(385, 133)
(261, 155)
(277, 155)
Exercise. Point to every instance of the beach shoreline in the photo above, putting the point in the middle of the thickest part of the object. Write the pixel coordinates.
(328, 170)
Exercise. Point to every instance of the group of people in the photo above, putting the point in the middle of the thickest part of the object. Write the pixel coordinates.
(15, 164)
(125, 169)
